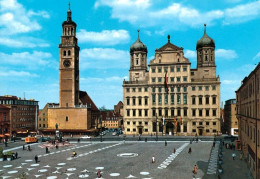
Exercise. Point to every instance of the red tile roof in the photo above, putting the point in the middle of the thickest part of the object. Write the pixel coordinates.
(85, 99)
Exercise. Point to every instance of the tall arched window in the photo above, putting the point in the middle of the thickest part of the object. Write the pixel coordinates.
(71, 31)
(69, 53)
(64, 53)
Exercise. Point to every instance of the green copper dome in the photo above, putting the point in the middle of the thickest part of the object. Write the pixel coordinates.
(205, 41)
(138, 45)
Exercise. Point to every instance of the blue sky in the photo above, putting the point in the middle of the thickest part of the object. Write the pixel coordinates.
(30, 32)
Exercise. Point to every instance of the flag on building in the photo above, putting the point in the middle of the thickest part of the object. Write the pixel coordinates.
(165, 83)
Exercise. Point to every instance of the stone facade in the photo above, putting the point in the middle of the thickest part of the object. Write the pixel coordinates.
(230, 122)
(170, 97)
(5, 122)
(248, 115)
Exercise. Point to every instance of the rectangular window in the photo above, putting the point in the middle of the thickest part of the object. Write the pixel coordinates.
(153, 70)
(145, 130)
(213, 100)
(194, 123)
(140, 101)
(200, 88)
(145, 89)
(207, 130)
(214, 112)
(134, 114)
(140, 112)
(178, 69)
(146, 112)
(128, 130)
(184, 78)
(154, 112)
(43, 125)
(159, 70)
(184, 112)
(159, 79)
(133, 89)
(165, 69)
(207, 100)
(128, 112)
(153, 89)
(178, 112)
(127, 101)
(213, 88)
(145, 101)
(184, 89)
(153, 80)
(139, 89)
(200, 123)
(200, 100)
(178, 89)
(172, 69)
(194, 100)
(134, 129)
(40, 125)
(166, 112)
(184, 99)
(207, 112)
(127, 90)
(160, 112)
(67, 118)
(159, 89)
(207, 123)
(193, 88)
(172, 89)
(178, 79)
(172, 112)
(166, 99)
(133, 101)
(184, 69)
(172, 98)
(206, 88)
(200, 112)
(154, 99)
(172, 79)
(146, 123)
(159, 99)
(178, 99)
(193, 112)
(214, 123)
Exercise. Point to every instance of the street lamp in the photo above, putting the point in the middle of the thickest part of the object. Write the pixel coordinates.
(101, 128)
(163, 121)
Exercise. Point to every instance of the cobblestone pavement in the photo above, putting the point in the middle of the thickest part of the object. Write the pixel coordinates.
(114, 159)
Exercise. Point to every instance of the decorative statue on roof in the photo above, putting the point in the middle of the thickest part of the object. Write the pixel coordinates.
(56, 125)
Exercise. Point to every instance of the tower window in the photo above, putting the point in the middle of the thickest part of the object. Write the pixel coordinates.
(67, 118)
(206, 58)
(69, 53)
(64, 53)
(71, 31)
(136, 61)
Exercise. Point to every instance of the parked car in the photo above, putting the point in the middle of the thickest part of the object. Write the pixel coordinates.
(114, 133)
(85, 137)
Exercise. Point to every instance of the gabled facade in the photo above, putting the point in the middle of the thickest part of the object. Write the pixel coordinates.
(170, 97)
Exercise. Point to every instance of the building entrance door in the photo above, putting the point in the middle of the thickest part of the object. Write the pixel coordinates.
(140, 130)
(200, 131)
(169, 128)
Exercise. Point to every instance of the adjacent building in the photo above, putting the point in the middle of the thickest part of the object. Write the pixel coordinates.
(248, 115)
(230, 119)
(76, 113)
(169, 97)
(5, 122)
(23, 115)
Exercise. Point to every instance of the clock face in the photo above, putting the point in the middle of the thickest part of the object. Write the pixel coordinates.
(66, 63)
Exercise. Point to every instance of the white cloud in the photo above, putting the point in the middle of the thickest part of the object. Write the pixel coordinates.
(106, 37)
(230, 82)
(13, 73)
(242, 13)
(190, 54)
(177, 15)
(24, 42)
(15, 19)
(104, 58)
(225, 54)
(257, 56)
(34, 60)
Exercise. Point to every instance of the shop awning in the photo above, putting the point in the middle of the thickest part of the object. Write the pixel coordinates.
(7, 134)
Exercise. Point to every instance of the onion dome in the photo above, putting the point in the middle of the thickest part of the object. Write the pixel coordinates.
(138, 45)
(69, 20)
(205, 41)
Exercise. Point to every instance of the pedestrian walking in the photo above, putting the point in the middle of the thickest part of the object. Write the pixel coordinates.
(29, 148)
(57, 146)
(233, 155)
(46, 149)
(78, 140)
(189, 150)
(16, 155)
(99, 173)
(165, 143)
(23, 147)
(195, 168)
(174, 150)
(214, 144)
(36, 159)
(153, 160)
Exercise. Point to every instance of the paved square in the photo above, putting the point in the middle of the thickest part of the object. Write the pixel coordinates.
(114, 159)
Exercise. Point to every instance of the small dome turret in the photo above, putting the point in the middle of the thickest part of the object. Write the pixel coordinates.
(205, 41)
(138, 45)
(69, 20)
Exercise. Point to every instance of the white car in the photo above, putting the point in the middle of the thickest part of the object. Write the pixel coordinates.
(85, 137)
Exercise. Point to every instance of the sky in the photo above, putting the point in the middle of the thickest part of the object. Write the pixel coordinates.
(30, 33)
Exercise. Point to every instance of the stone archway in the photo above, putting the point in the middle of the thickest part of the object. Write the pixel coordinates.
(169, 128)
